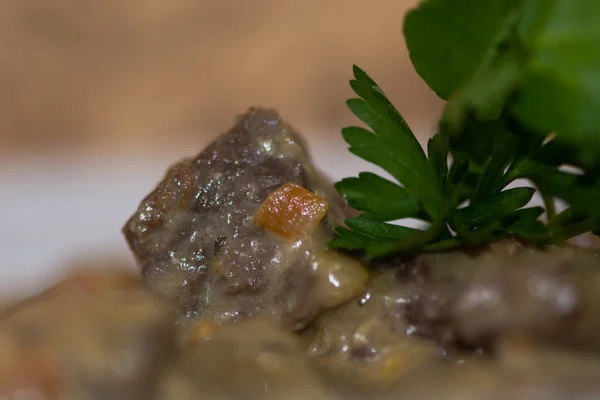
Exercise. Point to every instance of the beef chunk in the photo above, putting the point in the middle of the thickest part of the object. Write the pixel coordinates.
(196, 240)
(550, 297)
(94, 336)
(478, 299)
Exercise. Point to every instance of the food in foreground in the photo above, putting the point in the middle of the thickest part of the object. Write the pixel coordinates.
(234, 232)
(265, 308)
(244, 294)
(229, 308)
(96, 335)
(305, 288)
(104, 335)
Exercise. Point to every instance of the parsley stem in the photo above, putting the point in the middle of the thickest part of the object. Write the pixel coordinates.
(564, 218)
(550, 206)
(572, 230)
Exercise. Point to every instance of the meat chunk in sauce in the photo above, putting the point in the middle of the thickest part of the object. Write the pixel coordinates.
(551, 297)
(237, 235)
(477, 299)
(95, 336)
(196, 239)
(102, 336)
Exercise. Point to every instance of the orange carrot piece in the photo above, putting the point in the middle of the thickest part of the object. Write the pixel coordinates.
(291, 211)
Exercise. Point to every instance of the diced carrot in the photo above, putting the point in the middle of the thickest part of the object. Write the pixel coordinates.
(291, 211)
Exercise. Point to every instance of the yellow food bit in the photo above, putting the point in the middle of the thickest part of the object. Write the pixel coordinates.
(203, 330)
(340, 278)
(291, 211)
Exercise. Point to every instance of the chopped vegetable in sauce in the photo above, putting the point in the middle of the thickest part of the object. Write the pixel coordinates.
(291, 211)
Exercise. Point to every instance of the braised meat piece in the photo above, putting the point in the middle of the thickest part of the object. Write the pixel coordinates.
(236, 239)
(550, 297)
(95, 336)
(197, 240)
(476, 300)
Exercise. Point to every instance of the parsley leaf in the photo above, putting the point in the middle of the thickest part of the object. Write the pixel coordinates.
(512, 72)
(378, 229)
(437, 151)
(448, 40)
(371, 193)
(391, 145)
(541, 56)
(494, 207)
(561, 82)
(349, 239)
(577, 190)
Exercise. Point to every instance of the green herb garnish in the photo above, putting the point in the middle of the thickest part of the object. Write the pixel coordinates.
(522, 83)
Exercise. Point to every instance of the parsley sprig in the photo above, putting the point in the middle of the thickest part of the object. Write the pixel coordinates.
(522, 83)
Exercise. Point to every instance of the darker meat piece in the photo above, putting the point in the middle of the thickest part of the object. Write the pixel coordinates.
(550, 296)
(196, 240)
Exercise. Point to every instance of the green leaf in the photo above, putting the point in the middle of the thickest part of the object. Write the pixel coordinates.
(485, 93)
(376, 110)
(512, 72)
(379, 248)
(413, 241)
(560, 151)
(378, 229)
(467, 186)
(529, 213)
(505, 151)
(474, 142)
(391, 155)
(437, 152)
(581, 194)
(392, 145)
(349, 240)
(455, 183)
(443, 244)
(524, 223)
(448, 40)
(494, 207)
(532, 230)
(570, 223)
(381, 199)
(561, 86)
(566, 217)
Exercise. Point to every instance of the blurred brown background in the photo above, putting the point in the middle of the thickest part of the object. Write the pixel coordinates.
(132, 75)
